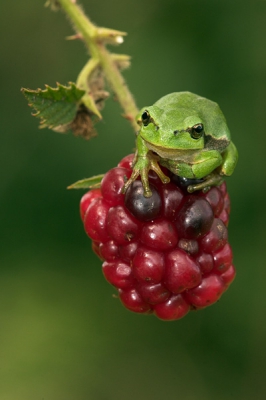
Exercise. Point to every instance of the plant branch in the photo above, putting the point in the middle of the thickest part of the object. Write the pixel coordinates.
(96, 39)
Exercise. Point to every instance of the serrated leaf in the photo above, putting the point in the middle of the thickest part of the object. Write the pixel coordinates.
(89, 183)
(55, 106)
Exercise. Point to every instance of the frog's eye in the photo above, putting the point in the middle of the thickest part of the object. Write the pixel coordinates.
(145, 118)
(197, 131)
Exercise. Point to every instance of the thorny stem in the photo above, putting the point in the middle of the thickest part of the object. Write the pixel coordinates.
(95, 39)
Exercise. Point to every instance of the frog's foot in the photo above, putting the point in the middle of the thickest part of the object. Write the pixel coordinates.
(133, 177)
(141, 168)
(214, 179)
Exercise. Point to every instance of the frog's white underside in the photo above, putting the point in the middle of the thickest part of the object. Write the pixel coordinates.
(187, 156)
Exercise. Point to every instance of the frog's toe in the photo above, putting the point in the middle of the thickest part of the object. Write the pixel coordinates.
(191, 189)
(147, 192)
(126, 185)
(165, 179)
(206, 189)
(198, 186)
(124, 188)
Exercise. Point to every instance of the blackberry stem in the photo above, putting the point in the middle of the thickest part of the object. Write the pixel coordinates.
(96, 39)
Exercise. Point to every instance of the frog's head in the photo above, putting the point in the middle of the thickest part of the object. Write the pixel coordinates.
(180, 128)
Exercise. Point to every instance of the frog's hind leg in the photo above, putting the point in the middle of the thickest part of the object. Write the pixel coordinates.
(214, 179)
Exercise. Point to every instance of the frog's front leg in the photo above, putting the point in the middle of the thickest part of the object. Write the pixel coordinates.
(230, 158)
(145, 161)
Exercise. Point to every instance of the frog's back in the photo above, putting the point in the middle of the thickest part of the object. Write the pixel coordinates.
(214, 121)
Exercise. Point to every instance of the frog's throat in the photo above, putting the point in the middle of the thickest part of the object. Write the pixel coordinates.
(173, 154)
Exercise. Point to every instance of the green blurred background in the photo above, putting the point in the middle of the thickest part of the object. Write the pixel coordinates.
(62, 334)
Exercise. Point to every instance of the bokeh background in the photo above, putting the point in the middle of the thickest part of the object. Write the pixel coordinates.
(62, 334)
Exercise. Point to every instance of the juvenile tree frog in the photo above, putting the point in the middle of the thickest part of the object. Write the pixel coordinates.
(188, 135)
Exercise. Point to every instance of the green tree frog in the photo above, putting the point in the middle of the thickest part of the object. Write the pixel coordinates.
(188, 135)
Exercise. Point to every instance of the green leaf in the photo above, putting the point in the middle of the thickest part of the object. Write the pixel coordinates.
(89, 183)
(55, 106)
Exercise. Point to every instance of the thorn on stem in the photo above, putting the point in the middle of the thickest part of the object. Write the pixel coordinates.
(128, 117)
(75, 37)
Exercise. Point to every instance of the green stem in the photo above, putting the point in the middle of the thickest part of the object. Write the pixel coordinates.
(82, 24)
(85, 72)
(95, 39)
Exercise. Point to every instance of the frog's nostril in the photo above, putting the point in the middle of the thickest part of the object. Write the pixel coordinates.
(176, 132)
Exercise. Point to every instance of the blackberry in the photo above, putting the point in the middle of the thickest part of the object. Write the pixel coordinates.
(166, 254)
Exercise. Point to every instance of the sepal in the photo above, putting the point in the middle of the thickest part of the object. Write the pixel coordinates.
(93, 182)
